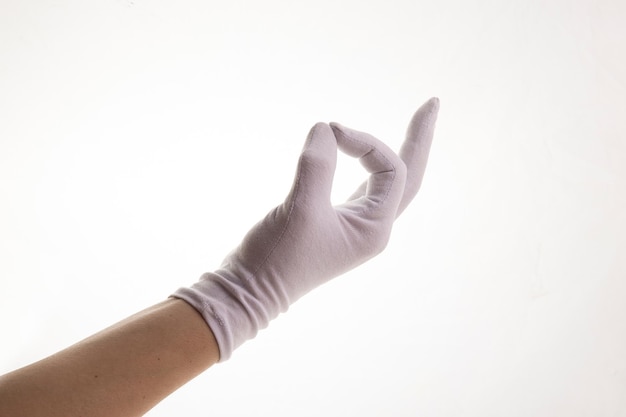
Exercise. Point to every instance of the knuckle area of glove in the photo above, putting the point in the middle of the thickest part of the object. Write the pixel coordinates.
(379, 243)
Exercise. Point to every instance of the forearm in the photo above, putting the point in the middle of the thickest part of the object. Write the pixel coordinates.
(121, 371)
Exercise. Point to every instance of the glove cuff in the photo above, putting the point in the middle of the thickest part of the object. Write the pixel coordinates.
(233, 312)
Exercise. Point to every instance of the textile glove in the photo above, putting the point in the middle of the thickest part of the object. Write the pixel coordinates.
(305, 241)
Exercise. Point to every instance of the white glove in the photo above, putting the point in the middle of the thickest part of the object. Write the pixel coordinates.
(305, 241)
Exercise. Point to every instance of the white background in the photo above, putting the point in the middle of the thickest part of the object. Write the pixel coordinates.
(139, 140)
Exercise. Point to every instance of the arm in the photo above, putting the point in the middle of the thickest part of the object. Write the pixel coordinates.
(124, 370)
(128, 368)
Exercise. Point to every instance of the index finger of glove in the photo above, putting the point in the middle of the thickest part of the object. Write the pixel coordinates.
(386, 182)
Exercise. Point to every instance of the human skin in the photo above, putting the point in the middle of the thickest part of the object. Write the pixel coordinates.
(123, 370)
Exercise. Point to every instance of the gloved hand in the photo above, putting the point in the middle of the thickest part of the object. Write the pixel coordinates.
(305, 241)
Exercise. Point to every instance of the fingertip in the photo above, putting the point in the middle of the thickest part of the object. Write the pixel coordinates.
(434, 103)
(319, 127)
(320, 141)
(352, 142)
(423, 121)
(346, 132)
(429, 108)
(337, 128)
(320, 138)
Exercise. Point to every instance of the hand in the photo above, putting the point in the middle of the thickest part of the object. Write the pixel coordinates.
(305, 241)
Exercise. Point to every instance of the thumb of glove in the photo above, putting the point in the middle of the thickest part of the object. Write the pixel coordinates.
(316, 167)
